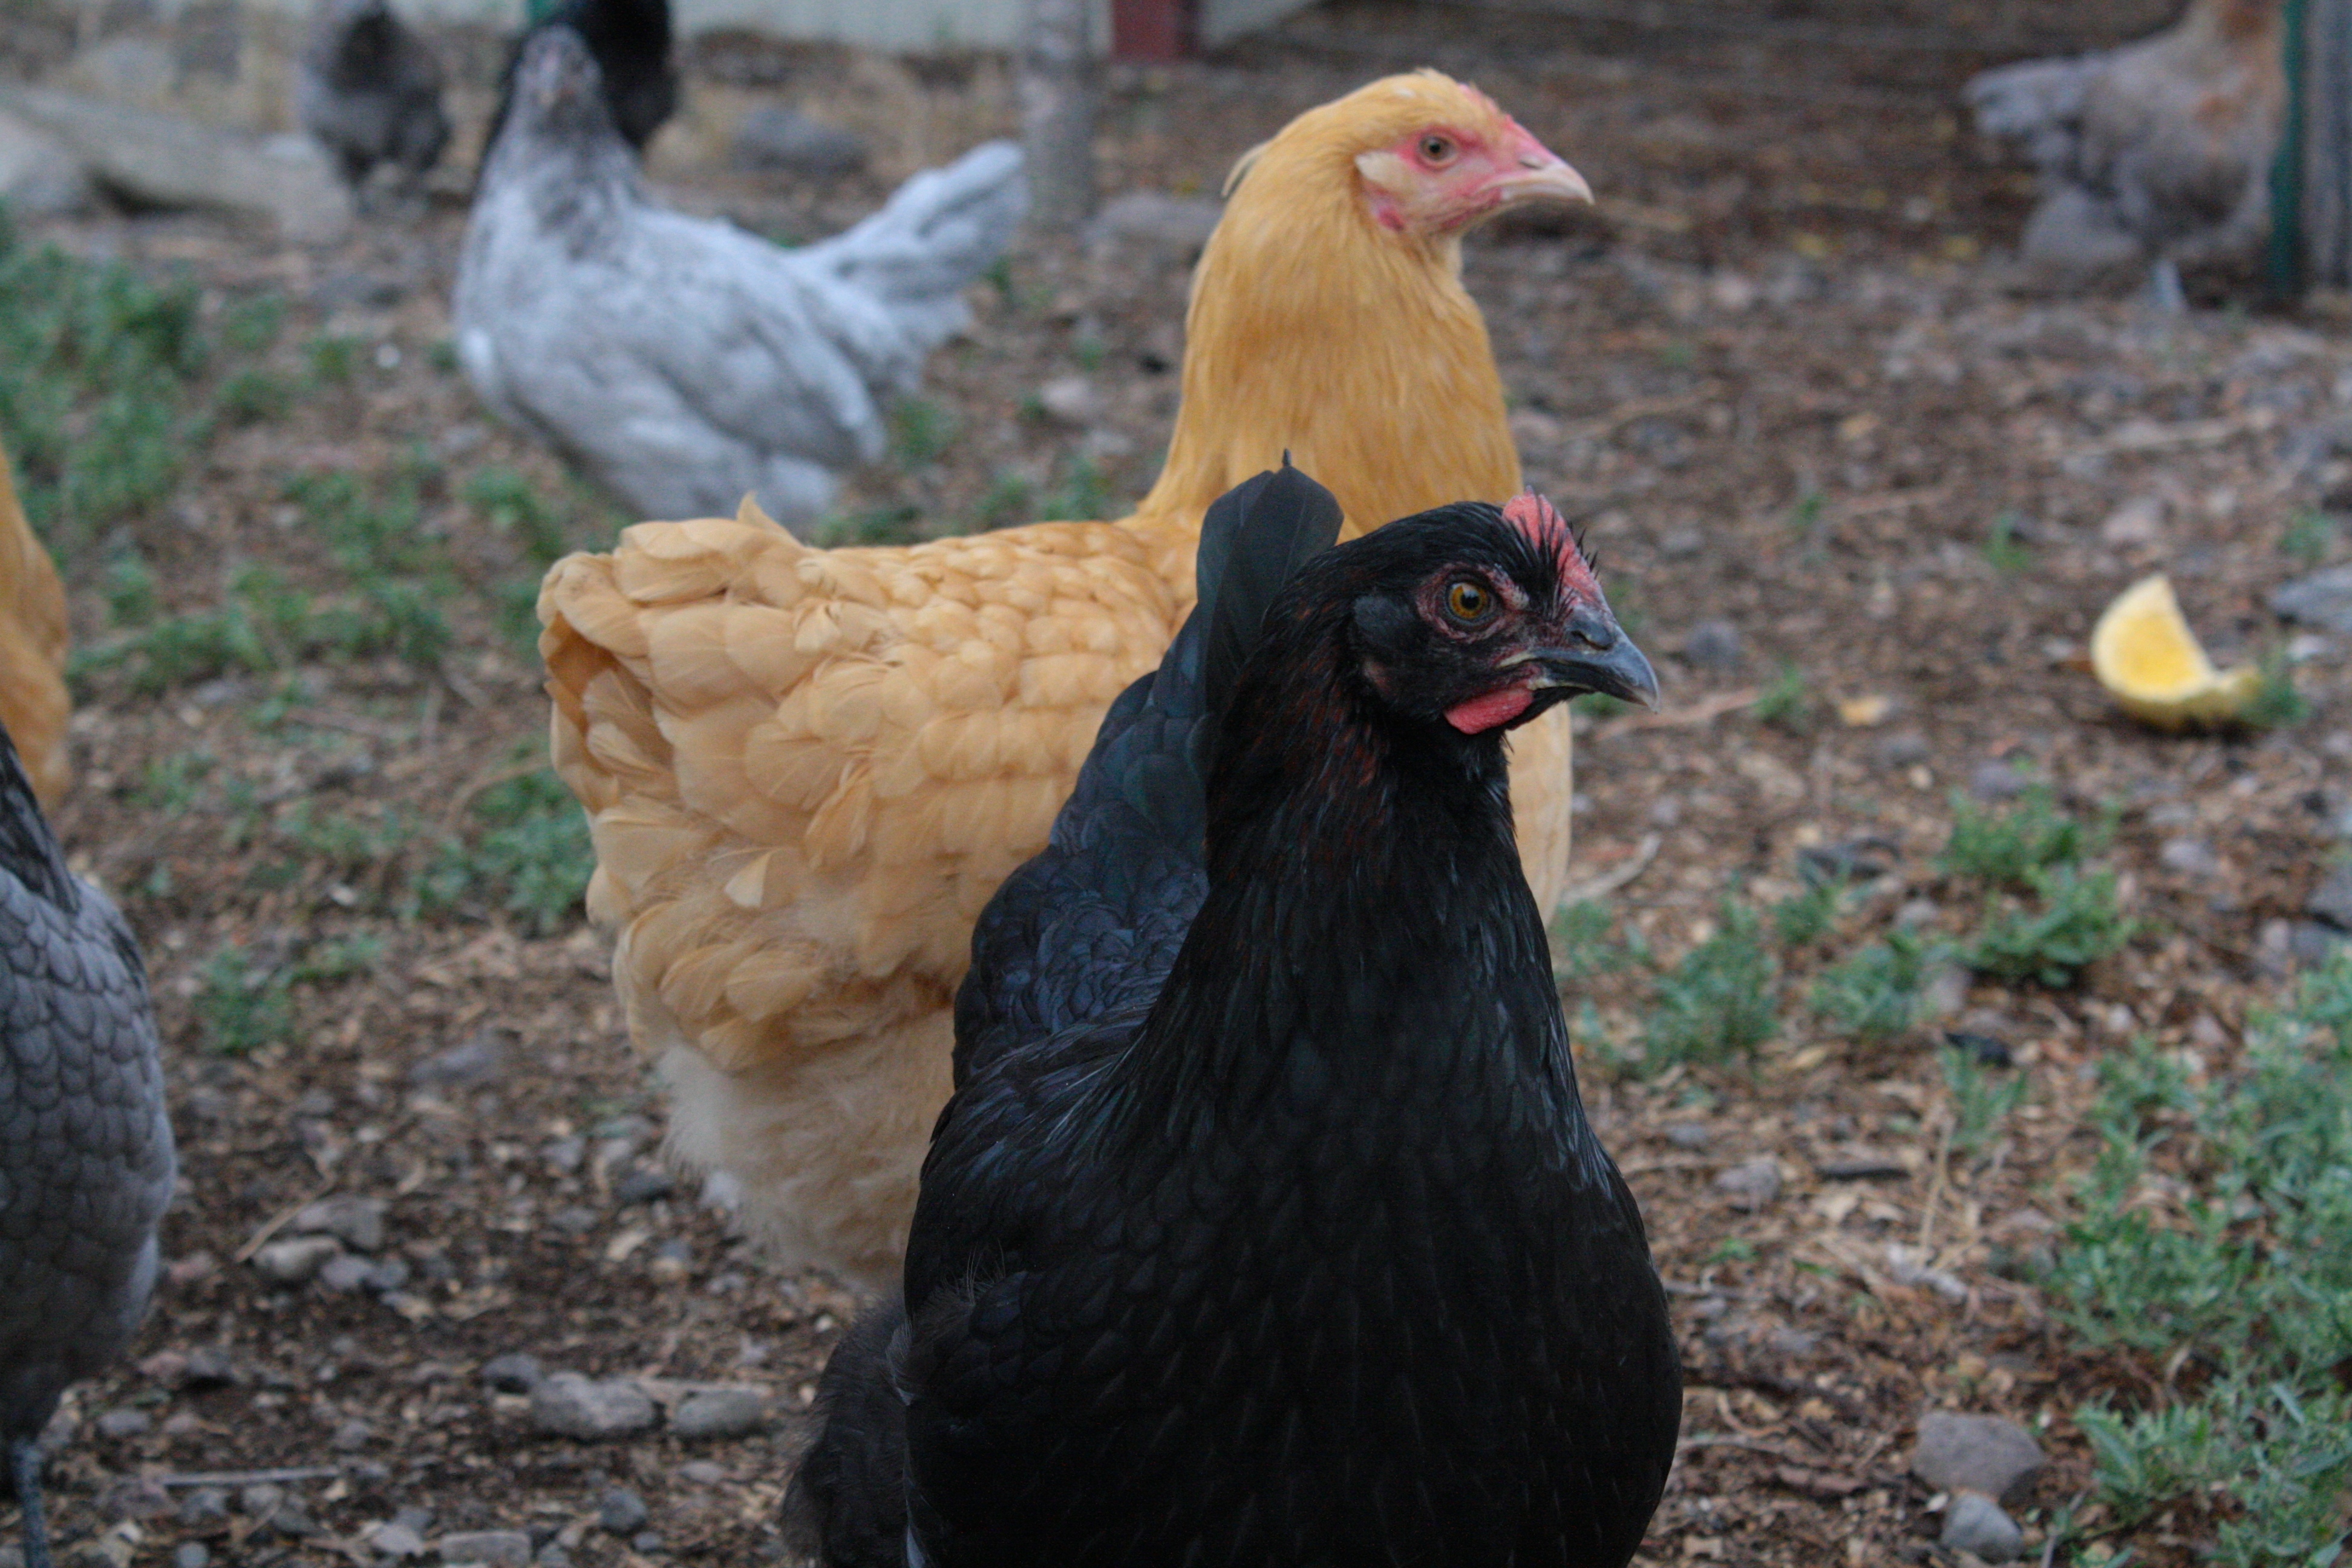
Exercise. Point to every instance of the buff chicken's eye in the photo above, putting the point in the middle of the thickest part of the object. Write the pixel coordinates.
(1469, 602)
(1437, 148)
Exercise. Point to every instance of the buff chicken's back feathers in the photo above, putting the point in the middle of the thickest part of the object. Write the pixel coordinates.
(34, 703)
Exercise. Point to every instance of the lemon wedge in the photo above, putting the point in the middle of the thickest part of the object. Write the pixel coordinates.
(2145, 655)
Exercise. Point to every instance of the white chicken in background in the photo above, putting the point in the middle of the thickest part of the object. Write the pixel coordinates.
(2156, 154)
(681, 362)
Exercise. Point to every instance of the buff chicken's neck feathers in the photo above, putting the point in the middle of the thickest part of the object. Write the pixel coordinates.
(805, 771)
(34, 703)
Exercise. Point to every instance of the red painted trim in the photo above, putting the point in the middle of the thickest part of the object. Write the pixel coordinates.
(1150, 29)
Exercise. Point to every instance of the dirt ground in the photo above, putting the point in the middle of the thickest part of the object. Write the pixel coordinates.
(1786, 373)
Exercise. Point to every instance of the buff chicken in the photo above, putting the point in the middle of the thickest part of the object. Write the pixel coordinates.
(33, 701)
(806, 770)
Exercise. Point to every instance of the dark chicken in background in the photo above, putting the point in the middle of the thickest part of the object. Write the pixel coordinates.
(370, 90)
(630, 41)
(1266, 1226)
(85, 1162)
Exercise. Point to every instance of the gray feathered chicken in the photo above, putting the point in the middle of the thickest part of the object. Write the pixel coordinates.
(85, 1162)
(680, 361)
(2156, 153)
(370, 90)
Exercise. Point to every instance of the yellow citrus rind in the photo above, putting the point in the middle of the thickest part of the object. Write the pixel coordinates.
(2151, 663)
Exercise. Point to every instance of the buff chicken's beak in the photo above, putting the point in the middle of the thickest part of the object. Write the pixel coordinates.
(1596, 656)
(1542, 175)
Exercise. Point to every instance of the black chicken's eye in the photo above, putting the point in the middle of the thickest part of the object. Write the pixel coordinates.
(1437, 148)
(1469, 602)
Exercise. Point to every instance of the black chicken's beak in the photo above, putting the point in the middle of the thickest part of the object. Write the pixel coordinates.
(1595, 655)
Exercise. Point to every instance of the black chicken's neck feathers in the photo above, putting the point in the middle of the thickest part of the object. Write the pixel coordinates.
(28, 849)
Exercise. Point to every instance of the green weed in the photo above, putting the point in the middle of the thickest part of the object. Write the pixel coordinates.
(1982, 1099)
(2243, 1281)
(1787, 703)
(1007, 500)
(531, 856)
(253, 396)
(1804, 918)
(877, 525)
(324, 962)
(2073, 922)
(333, 358)
(1874, 996)
(1806, 515)
(2004, 549)
(1082, 493)
(2310, 538)
(2276, 703)
(242, 1006)
(919, 431)
(2006, 848)
(510, 505)
(1720, 1002)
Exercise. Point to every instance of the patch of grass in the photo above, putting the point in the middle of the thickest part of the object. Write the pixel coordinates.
(2276, 704)
(2310, 538)
(344, 842)
(1787, 702)
(130, 589)
(2004, 549)
(1804, 918)
(2235, 1285)
(1874, 996)
(2003, 847)
(324, 962)
(2071, 921)
(242, 1003)
(508, 503)
(877, 525)
(253, 397)
(1007, 500)
(172, 784)
(1585, 935)
(333, 358)
(1983, 1098)
(530, 856)
(1720, 1002)
(1806, 515)
(919, 431)
(1081, 495)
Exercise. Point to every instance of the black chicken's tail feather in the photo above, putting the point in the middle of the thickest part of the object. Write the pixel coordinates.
(847, 1505)
(1255, 537)
(28, 849)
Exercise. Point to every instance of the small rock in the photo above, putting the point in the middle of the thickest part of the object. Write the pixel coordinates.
(1973, 1523)
(388, 1276)
(1689, 1135)
(497, 1548)
(570, 1406)
(125, 1421)
(2137, 521)
(352, 1437)
(1071, 400)
(642, 1185)
(648, 1544)
(2311, 943)
(702, 1473)
(719, 1413)
(478, 1060)
(136, 1497)
(552, 1555)
(1976, 1453)
(514, 1373)
(191, 1554)
(293, 1261)
(1905, 749)
(2332, 899)
(772, 137)
(358, 1223)
(1985, 1050)
(1713, 645)
(416, 1521)
(564, 1156)
(574, 1220)
(1945, 993)
(1180, 224)
(260, 1500)
(205, 1506)
(207, 1368)
(38, 176)
(1998, 781)
(2190, 857)
(2322, 599)
(1750, 1184)
(343, 1273)
(622, 1512)
(396, 1541)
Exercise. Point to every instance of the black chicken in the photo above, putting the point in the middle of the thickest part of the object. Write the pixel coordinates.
(86, 1161)
(370, 90)
(1266, 1226)
(630, 40)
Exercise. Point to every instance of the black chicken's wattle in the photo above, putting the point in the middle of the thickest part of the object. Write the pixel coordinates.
(1300, 1250)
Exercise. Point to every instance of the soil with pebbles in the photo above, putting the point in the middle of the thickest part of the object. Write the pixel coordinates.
(1815, 423)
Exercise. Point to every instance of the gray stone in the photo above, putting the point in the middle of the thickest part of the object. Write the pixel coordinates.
(135, 1497)
(701, 1473)
(191, 1554)
(514, 1373)
(205, 1506)
(478, 1060)
(165, 159)
(352, 1437)
(2321, 599)
(127, 1421)
(2332, 899)
(1997, 780)
(396, 1541)
(552, 1555)
(1180, 225)
(1751, 1184)
(570, 1406)
(649, 1543)
(1689, 1135)
(358, 1223)
(38, 176)
(2311, 943)
(1976, 1453)
(497, 1548)
(388, 1276)
(2192, 857)
(773, 137)
(719, 1413)
(207, 1368)
(1071, 400)
(641, 1186)
(260, 1500)
(343, 1274)
(1974, 1523)
(1714, 645)
(1905, 748)
(622, 1512)
(292, 1262)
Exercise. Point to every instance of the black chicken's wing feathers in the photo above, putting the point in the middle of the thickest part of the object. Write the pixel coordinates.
(1066, 959)
(1089, 928)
